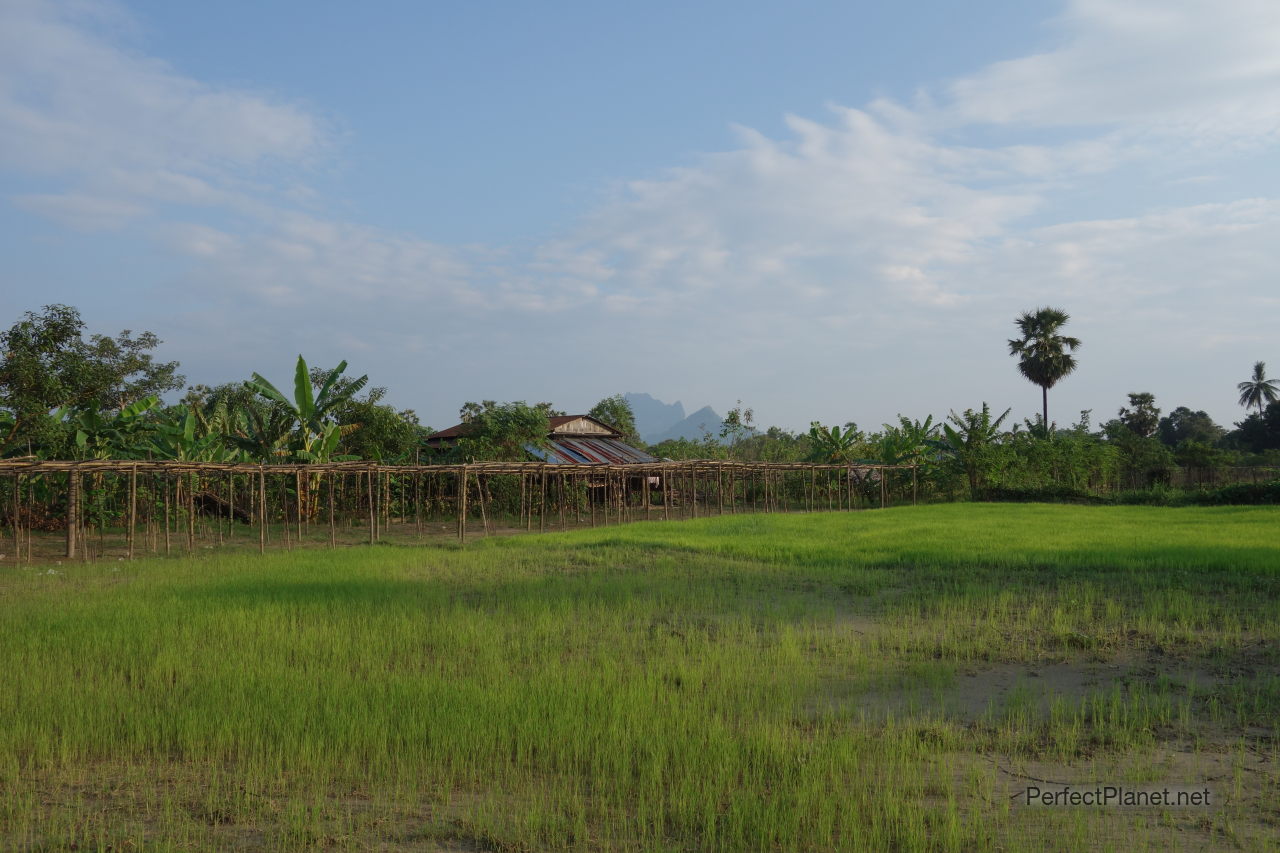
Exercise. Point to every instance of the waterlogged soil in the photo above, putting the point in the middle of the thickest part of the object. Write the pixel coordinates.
(110, 808)
(977, 694)
(1239, 783)
(1237, 765)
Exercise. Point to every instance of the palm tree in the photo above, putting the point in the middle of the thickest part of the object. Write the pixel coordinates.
(1045, 353)
(1259, 389)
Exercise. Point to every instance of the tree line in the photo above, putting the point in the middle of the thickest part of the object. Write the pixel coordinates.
(68, 395)
(65, 395)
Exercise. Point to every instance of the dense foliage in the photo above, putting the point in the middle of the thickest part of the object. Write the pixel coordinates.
(68, 395)
(49, 365)
(65, 396)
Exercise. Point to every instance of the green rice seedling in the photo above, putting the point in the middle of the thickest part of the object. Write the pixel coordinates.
(822, 682)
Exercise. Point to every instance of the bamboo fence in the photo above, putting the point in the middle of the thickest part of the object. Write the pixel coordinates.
(114, 509)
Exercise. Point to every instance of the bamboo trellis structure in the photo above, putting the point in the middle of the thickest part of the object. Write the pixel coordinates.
(95, 509)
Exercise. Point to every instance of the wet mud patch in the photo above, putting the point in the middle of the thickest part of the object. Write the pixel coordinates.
(1239, 809)
(970, 694)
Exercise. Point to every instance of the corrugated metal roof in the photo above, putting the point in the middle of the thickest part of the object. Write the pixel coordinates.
(589, 451)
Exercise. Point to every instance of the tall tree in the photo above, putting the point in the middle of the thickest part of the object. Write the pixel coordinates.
(1258, 433)
(738, 424)
(1044, 352)
(381, 431)
(1141, 416)
(616, 412)
(46, 363)
(502, 431)
(1258, 389)
(1182, 424)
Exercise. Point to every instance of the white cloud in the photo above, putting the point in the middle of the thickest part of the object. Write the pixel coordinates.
(80, 211)
(120, 128)
(308, 261)
(853, 240)
(1197, 68)
(829, 220)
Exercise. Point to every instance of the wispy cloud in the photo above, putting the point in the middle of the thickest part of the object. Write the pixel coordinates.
(116, 127)
(80, 211)
(74, 101)
(1206, 71)
(839, 239)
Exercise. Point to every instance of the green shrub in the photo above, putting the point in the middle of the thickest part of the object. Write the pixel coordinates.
(1241, 494)
(1042, 494)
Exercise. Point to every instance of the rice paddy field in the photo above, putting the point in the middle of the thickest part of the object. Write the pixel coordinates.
(881, 680)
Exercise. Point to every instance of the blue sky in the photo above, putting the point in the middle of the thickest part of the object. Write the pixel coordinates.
(828, 212)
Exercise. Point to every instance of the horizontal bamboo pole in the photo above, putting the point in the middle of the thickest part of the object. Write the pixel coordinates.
(90, 466)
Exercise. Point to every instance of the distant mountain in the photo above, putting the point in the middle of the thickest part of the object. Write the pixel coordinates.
(653, 417)
(694, 427)
(658, 421)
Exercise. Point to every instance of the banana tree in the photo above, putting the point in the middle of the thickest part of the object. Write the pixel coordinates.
(194, 436)
(98, 436)
(831, 444)
(262, 433)
(184, 441)
(311, 409)
(908, 443)
(315, 435)
(115, 437)
(969, 443)
(324, 450)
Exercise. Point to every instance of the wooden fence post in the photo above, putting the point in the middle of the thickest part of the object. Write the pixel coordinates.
(73, 511)
(692, 474)
(373, 506)
(720, 485)
(462, 505)
(563, 498)
(542, 505)
(333, 529)
(191, 512)
(17, 517)
(262, 509)
(480, 495)
(133, 506)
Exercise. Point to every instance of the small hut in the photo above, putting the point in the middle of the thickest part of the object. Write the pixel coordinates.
(581, 440)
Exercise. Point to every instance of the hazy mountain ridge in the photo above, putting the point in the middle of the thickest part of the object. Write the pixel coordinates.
(653, 417)
(658, 421)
